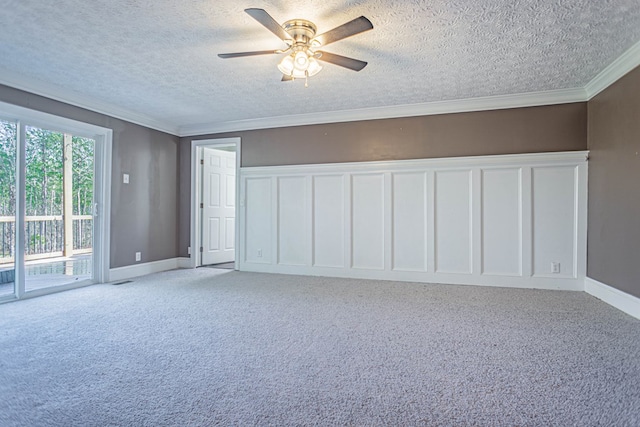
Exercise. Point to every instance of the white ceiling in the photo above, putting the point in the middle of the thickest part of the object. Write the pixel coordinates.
(155, 62)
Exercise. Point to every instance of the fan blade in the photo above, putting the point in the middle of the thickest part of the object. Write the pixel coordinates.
(343, 61)
(271, 24)
(349, 29)
(286, 78)
(241, 54)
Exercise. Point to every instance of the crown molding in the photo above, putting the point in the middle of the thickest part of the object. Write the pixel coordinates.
(498, 102)
(626, 62)
(73, 98)
(531, 159)
(629, 60)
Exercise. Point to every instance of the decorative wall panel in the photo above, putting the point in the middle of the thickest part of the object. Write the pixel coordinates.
(554, 220)
(367, 221)
(258, 220)
(328, 221)
(517, 220)
(292, 220)
(453, 221)
(409, 221)
(501, 222)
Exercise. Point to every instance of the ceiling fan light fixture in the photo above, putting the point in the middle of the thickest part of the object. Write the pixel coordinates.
(299, 65)
(314, 67)
(301, 60)
(286, 65)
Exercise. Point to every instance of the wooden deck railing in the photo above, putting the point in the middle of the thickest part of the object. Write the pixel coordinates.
(45, 236)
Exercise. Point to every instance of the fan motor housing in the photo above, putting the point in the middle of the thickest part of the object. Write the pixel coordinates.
(301, 30)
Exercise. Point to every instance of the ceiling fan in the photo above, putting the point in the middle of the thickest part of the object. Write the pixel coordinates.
(303, 45)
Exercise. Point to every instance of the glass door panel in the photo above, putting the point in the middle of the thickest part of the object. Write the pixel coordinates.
(8, 150)
(58, 202)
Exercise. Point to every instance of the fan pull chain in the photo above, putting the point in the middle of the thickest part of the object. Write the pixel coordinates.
(306, 78)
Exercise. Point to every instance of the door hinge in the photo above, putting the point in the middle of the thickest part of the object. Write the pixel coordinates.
(202, 161)
(201, 205)
(201, 249)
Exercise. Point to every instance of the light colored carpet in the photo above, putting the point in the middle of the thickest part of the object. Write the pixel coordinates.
(209, 347)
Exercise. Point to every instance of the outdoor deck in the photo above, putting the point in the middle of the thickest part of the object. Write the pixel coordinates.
(57, 252)
(51, 272)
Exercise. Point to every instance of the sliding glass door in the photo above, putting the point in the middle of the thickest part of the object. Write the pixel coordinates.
(58, 200)
(53, 193)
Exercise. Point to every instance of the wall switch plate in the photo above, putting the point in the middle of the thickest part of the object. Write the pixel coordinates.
(138, 256)
(188, 250)
(125, 178)
(555, 267)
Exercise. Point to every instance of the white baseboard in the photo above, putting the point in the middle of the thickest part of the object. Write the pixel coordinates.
(184, 262)
(123, 273)
(549, 283)
(614, 297)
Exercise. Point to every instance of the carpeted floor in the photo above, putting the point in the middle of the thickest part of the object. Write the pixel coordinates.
(213, 347)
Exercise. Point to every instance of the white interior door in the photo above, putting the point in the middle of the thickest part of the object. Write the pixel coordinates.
(218, 206)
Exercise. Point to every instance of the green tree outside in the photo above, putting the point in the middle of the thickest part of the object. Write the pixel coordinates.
(43, 182)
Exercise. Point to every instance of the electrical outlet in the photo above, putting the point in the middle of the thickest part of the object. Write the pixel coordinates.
(138, 256)
(259, 253)
(125, 178)
(555, 267)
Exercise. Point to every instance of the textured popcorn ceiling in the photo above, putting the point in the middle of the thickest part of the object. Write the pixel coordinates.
(157, 58)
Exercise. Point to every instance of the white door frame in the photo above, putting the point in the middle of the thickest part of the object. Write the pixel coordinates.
(196, 185)
(103, 138)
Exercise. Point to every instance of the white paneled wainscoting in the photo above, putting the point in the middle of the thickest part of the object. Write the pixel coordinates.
(512, 220)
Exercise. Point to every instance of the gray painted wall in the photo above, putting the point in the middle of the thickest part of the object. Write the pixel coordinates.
(152, 213)
(511, 131)
(144, 214)
(613, 252)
